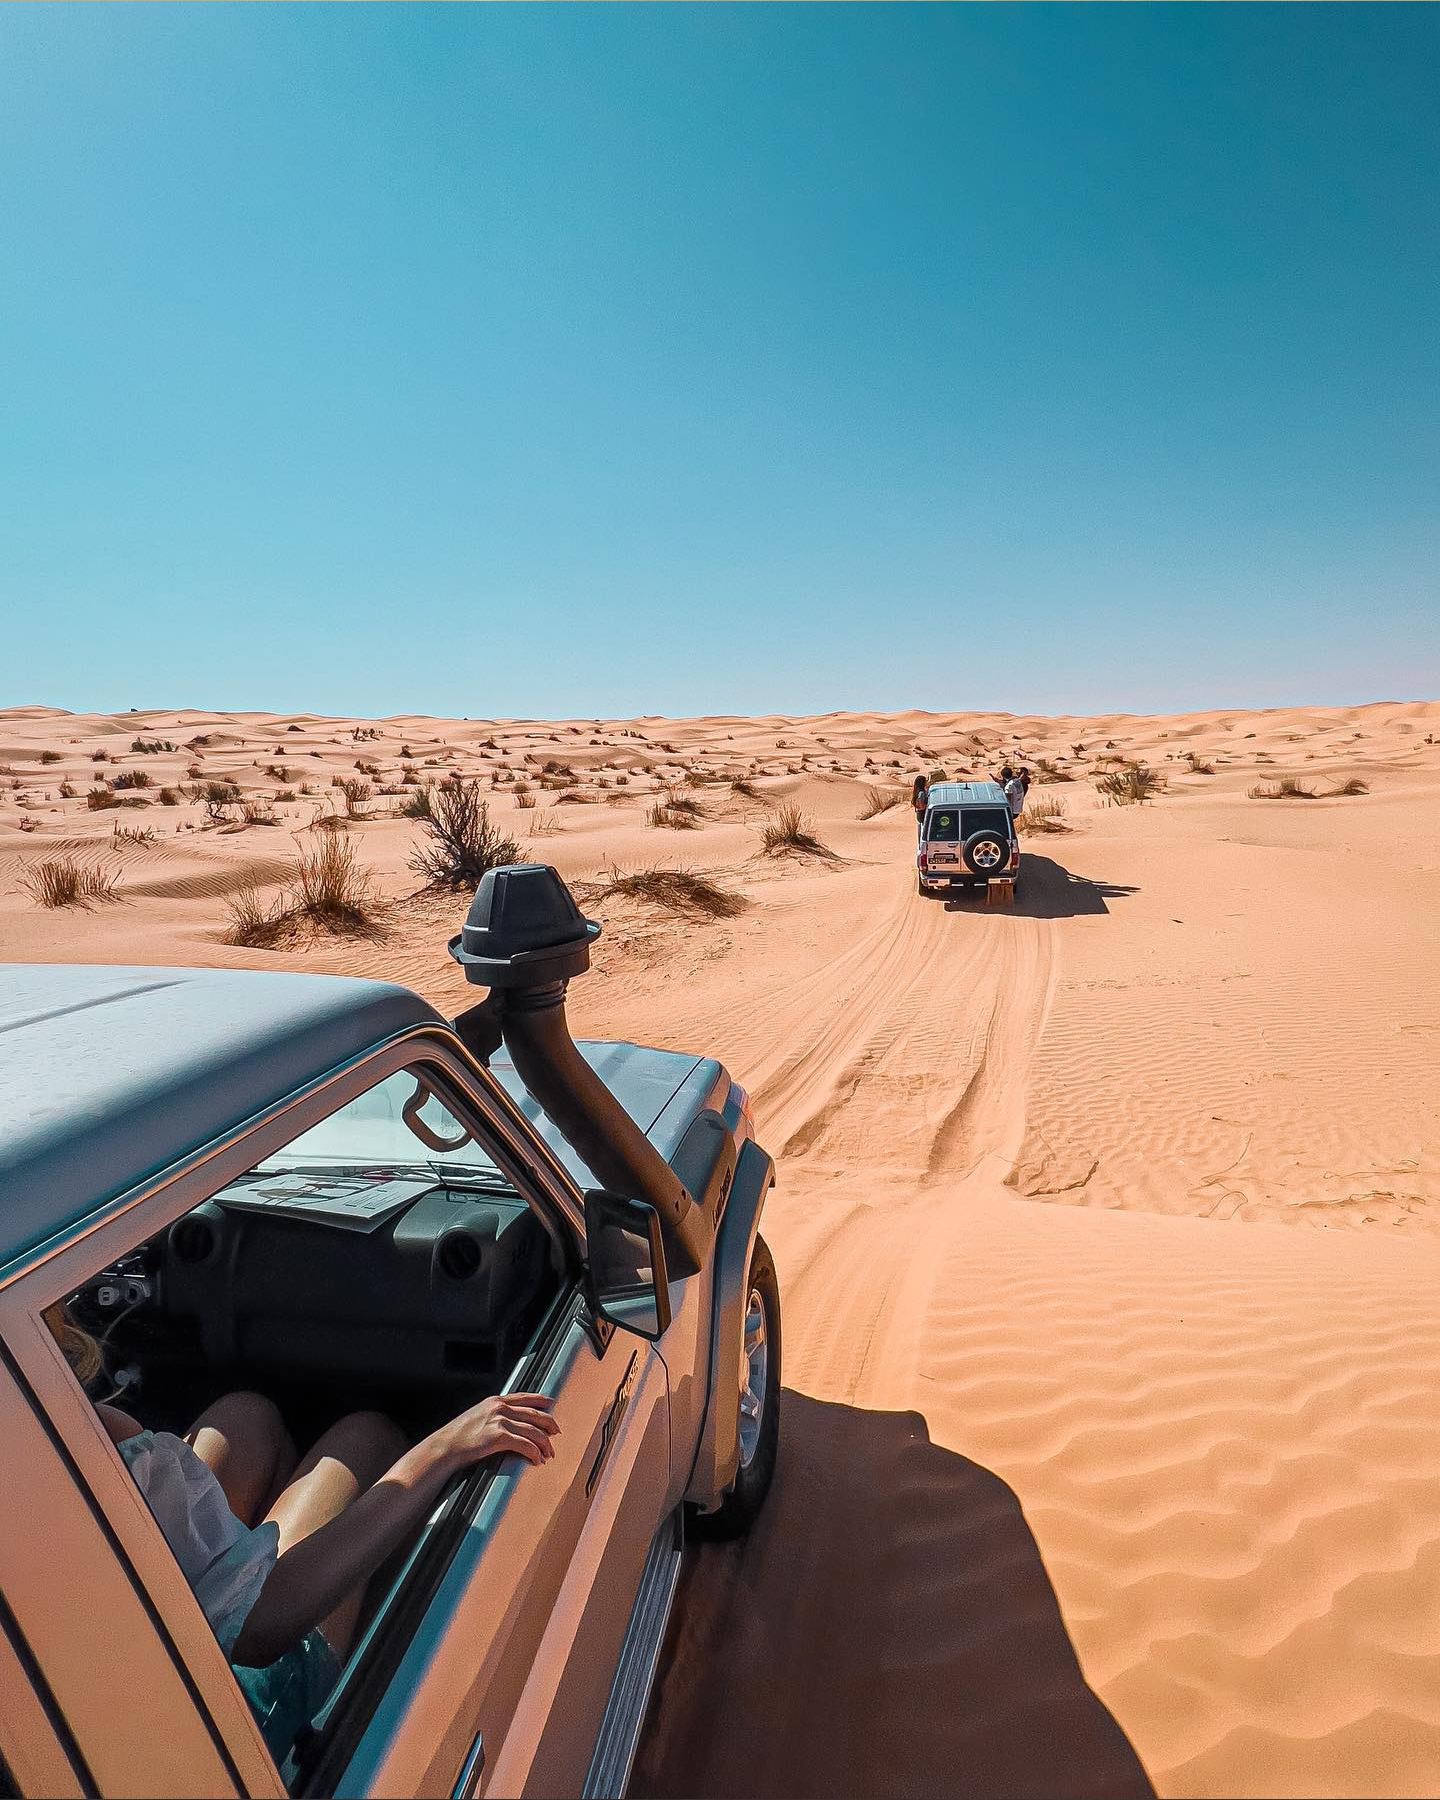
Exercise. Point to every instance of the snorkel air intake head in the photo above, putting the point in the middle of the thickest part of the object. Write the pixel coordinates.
(524, 939)
(523, 929)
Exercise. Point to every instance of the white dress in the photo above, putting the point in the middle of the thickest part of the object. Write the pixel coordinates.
(225, 1562)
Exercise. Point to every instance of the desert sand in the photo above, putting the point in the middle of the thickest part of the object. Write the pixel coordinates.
(1108, 1225)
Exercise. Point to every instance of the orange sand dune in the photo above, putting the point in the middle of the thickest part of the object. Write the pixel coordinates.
(1108, 1225)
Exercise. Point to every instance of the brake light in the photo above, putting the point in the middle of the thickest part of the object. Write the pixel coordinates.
(924, 856)
(1014, 856)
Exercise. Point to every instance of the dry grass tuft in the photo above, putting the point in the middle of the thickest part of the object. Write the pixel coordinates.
(789, 833)
(329, 893)
(99, 798)
(1288, 787)
(62, 881)
(677, 890)
(1354, 785)
(1045, 813)
(463, 841)
(1131, 785)
(745, 790)
(880, 800)
(675, 812)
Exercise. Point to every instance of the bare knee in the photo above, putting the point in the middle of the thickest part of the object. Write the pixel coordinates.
(243, 1411)
(366, 1442)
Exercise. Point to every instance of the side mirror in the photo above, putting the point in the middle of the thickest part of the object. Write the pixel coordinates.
(625, 1257)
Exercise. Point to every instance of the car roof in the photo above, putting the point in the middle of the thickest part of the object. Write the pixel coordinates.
(967, 793)
(109, 1075)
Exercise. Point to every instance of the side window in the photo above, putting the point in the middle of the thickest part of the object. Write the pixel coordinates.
(266, 1359)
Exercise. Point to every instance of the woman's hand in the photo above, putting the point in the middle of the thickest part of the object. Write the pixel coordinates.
(504, 1425)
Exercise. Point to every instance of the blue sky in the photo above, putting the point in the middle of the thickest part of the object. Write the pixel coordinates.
(597, 360)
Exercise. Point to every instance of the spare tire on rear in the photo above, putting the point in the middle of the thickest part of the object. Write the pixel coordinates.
(986, 852)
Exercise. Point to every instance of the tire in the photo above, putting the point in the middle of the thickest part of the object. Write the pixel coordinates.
(740, 1508)
(972, 853)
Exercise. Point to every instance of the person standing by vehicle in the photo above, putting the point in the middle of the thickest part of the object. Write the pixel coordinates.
(919, 800)
(1014, 786)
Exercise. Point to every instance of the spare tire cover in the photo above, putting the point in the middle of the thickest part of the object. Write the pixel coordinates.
(986, 852)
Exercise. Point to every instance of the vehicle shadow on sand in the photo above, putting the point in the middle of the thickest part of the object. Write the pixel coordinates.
(888, 1629)
(1048, 891)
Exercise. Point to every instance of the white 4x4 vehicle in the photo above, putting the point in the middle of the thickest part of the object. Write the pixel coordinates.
(967, 838)
(312, 1189)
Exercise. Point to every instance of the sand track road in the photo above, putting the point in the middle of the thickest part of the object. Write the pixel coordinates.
(1047, 1520)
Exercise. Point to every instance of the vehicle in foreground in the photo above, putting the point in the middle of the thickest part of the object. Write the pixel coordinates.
(315, 1187)
(967, 839)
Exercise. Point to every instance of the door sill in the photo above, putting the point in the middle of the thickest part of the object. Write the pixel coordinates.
(619, 1735)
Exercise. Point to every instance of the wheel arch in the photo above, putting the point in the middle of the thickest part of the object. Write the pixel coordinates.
(718, 1454)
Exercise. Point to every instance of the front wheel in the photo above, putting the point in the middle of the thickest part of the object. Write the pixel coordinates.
(758, 1400)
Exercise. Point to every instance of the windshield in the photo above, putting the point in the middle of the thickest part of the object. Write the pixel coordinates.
(397, 1125)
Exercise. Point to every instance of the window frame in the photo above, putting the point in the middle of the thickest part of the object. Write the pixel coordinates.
(54, 1268)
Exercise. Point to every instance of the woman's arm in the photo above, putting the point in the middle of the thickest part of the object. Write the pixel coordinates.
(313, 1576)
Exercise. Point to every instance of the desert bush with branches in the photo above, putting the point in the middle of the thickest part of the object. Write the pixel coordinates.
(463, 840)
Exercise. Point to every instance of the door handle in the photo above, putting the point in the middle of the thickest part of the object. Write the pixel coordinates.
(471, 1770)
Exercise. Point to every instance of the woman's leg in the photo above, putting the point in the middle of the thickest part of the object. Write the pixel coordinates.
(343, 1462)
(243, 1439)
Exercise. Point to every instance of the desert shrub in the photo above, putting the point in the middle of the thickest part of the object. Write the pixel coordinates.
(880, 800)
(542, 825)
(677, 890)
(356, 795)
(99, 798)
(217, 797)
(789, 833)
(409, 778)
(280, 773)
(463, 842)
(132, 778)
(152, 746)
(1354, 785)
(62, 881)
(524, 799)
(1051, 772)
(415, 806)
(257, 812)
(1045, 813)
(168, 797)
(1288, 787)
(740, 787)
(1131, 785)
(68, 790)
(128, 837)
(99, 756)
(1198, 764)
(49, 756)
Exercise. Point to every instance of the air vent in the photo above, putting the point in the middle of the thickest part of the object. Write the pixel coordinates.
(193, 1240)
(459, 1256)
